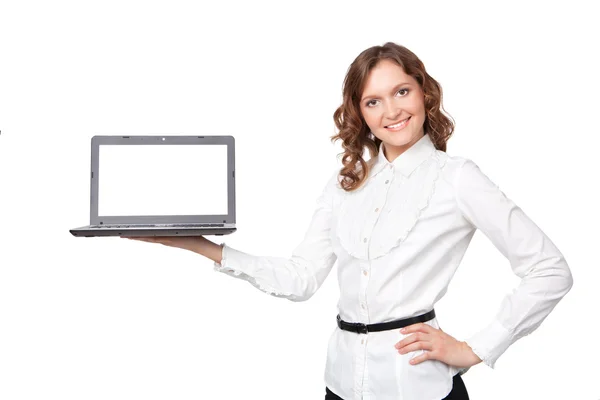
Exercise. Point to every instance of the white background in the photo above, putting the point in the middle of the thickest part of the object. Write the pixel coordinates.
(107, 318)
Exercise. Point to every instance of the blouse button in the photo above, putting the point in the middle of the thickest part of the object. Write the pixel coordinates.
(365, 240)
(377, 209)
(387, 181)
(362, 341)
(365, 273)
(363, 306)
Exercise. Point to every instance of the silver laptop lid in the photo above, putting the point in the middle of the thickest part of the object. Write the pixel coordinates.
(162, 179)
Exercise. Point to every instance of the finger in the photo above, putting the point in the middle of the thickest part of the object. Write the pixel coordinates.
(421, 357)
(165, 241)
(142, 239)
(422, 327)
(412, 339)
(422, 345)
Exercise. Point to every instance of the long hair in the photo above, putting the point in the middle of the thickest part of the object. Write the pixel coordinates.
(354, 131)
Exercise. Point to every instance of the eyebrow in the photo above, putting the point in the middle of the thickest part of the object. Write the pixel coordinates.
(369, 97)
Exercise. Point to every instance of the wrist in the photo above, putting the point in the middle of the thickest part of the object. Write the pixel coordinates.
(475, 358)
(209, 249)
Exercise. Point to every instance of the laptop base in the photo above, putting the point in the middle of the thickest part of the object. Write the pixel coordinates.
(86, 231)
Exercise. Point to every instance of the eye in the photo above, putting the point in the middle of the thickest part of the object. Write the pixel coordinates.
(371, 103)
(402, 90)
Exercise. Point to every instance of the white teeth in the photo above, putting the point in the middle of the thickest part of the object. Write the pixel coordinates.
(398, 124)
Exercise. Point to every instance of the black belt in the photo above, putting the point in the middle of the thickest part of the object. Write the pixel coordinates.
(384, 326)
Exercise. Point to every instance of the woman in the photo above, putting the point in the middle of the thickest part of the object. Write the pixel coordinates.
(399, 225)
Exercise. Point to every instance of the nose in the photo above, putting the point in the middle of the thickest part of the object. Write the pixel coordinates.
(392, 111)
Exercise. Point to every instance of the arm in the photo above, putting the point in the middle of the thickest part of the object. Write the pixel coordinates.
(208, 249)
(545, 275)
(296, 278)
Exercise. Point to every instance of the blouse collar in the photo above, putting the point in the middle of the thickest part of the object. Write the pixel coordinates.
(408, 161)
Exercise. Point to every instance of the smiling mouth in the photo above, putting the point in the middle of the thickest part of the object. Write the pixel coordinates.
(398, 124)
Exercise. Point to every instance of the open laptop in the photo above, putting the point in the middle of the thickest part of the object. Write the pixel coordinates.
(161, 186)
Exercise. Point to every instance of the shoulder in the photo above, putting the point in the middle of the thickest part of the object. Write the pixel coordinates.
(467, 178)
(454, 164)
(332, 192)
(335, 177)
(332, 181)
(457, 168)
(450, 163)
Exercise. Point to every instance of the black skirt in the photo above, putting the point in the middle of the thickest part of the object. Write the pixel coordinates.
(458, 392)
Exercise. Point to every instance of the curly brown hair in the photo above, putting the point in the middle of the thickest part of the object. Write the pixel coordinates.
(354, 131)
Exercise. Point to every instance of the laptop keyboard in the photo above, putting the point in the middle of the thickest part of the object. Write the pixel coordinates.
(158, 226)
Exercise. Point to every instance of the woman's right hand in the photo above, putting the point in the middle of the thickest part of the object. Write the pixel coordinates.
(197, 244)
(190, 243)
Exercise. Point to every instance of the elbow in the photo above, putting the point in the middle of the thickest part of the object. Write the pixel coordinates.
(295, 297)
(298, 299)
(306, 284)
(563, 278)
(554, 278)
(568, 279)
(304, 293)
(565, 274)
(298, 294)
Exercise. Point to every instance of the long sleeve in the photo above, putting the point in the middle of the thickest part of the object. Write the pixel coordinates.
(545, 275)
(296, 278)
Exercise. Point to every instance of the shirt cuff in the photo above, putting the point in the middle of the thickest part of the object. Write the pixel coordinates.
(225, 266)
(490, 343)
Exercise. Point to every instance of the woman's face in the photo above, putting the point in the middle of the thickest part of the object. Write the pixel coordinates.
(390, 98)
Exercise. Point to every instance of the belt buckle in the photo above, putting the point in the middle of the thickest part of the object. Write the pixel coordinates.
(362, 328)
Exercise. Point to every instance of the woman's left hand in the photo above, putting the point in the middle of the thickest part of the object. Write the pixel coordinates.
(437, 344)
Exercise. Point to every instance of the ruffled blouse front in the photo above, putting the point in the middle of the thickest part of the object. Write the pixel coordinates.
(391, 210)
(398, 241)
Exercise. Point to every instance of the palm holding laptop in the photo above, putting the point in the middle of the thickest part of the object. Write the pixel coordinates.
(197, 244)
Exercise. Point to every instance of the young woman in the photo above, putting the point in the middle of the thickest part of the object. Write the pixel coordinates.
(399, 225)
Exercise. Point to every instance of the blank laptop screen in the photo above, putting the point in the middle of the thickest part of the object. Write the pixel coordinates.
(136, 180)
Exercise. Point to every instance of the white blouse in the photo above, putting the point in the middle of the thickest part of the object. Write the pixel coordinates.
(398, 241)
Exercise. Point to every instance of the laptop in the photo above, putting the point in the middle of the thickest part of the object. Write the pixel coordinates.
(161, 186)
